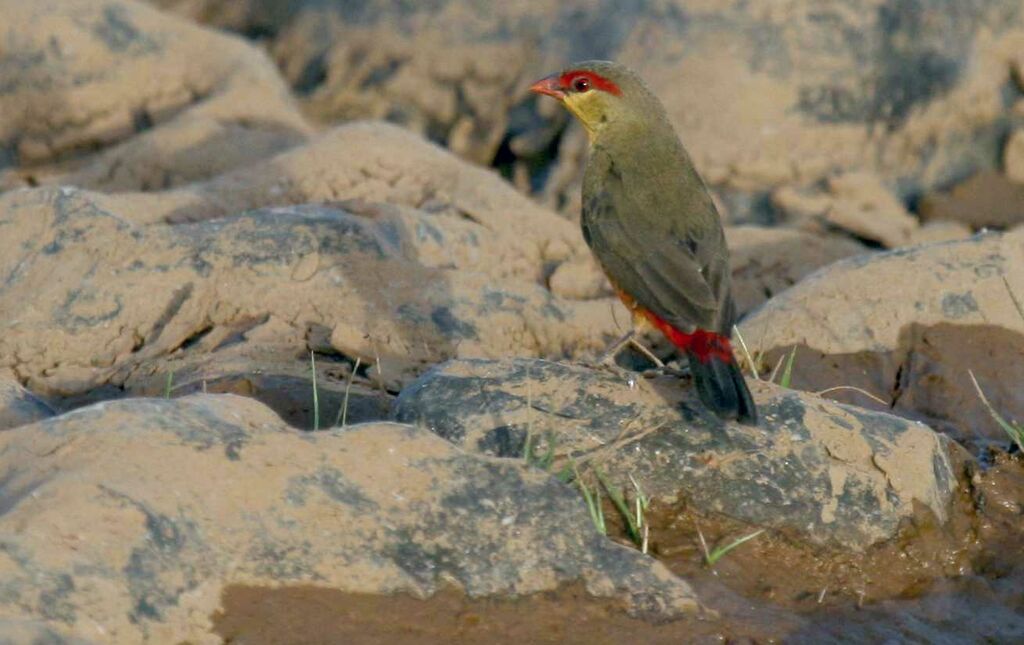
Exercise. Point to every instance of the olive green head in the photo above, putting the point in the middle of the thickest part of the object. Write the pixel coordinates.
(602, 95)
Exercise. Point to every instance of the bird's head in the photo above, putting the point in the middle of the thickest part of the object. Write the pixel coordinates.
(600, 94)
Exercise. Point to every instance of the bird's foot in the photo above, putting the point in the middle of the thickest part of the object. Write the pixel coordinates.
(672, 369)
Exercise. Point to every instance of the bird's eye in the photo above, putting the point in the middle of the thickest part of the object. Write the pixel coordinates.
(581, 84)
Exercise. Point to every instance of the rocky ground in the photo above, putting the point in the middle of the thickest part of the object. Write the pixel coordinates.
(297, 329)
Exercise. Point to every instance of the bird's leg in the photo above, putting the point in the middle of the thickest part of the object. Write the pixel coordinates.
(608, 358)
(640, 347)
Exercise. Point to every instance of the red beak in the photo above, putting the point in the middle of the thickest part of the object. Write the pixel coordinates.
(550, 86)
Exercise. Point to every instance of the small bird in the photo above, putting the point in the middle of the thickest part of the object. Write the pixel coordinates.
(651, 223)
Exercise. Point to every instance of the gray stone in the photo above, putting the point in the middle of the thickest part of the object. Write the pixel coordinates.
(831, 473)
(131, 517)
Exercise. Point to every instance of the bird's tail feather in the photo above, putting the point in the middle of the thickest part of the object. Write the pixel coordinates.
(718, 379)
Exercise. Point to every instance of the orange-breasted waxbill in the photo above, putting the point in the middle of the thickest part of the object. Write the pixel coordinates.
(651, 223)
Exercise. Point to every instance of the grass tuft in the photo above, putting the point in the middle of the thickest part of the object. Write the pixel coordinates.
(593, 501)
(711, 557)
(787, 372)
(1013, 429)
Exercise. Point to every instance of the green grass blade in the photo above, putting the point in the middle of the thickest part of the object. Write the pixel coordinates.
(170, 382)
(342, 418)
(528, 448)
(787, 372)
(549, 454)
(620, 505)
(316, 396)
(717, 554)
(1015, 431)
(593, 502)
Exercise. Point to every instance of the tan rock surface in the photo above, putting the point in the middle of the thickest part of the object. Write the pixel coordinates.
(988, 199)
(165, 102)
(906, 326)
(764, 96)
(124, 521)
(766, 261)
(89, 297)
(499, 231)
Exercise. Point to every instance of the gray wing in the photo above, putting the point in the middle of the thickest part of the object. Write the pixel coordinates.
(679, 272)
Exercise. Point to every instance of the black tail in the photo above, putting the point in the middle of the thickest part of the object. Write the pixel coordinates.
(721, 387)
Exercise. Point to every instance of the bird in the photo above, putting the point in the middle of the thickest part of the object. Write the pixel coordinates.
(653, 227)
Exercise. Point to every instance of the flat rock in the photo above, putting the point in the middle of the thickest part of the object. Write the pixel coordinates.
(864, 206)
(88, 297)
(988, 199)
(906, 326)
(107, 541)
(829, 473)
(119, 96)
(18, 406)
(858, 203)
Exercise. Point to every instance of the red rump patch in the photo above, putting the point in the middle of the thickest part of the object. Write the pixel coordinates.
(597, 81)
(705, 345)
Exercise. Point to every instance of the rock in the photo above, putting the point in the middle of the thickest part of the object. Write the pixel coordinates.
(862, 205)
(1013, 157)
(941, 230)
(832, 474)
(856, 202)
(119, 96)
(18, 406)
(265, 361)
(88, 298)
(766, 261)
(14, 631)
(987, 199)
(112, 543)
(788, 94)
(464, 217)
(906, 326)
(580, 279)
(792, 95)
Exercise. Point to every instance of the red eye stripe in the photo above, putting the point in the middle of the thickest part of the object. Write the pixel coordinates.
(597, 81)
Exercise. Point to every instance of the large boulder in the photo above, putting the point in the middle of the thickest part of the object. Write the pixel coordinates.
(384, 172)
(88, 298)
(906, 326)
(131, 518)
(828, 473)
(119, 96)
